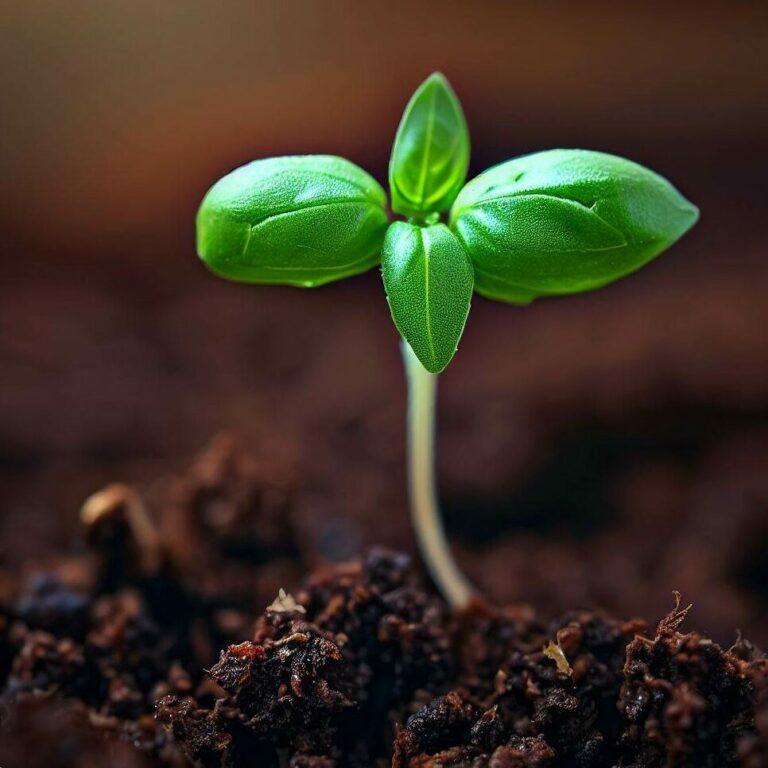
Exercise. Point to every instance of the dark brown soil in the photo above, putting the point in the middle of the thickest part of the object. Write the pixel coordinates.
(150, 646)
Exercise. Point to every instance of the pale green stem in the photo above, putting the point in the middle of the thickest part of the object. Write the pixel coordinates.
(425, 511)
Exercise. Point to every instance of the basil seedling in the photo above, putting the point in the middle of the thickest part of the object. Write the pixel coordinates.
(550, 223)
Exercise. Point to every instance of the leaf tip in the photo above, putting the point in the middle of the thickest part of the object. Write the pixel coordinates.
(694, 214)
(436, 366)
(439, 80)
(437, 77)
(684, 219)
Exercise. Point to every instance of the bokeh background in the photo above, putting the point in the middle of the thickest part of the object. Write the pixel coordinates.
(597, 450)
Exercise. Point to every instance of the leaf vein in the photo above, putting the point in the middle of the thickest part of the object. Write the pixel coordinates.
(427, 310)
(427, 146)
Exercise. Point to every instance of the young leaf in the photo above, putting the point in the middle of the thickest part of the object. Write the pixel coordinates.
(303, 220)
(430, 155)
(565, 221)
(428, 280)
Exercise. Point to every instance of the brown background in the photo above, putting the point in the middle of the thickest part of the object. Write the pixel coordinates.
(622, 434)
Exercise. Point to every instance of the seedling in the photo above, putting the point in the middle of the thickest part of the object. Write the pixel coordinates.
(551, 223)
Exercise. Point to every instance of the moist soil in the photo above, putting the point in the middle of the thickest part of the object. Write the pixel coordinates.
(150, 645)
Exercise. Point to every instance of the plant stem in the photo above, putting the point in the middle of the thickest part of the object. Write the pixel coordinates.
(425, 512)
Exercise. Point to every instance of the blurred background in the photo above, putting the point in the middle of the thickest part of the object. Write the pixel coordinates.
(602, 450)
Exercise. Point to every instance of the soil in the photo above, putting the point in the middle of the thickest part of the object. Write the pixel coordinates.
(148, 644)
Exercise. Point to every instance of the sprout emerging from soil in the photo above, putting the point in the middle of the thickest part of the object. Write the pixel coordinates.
(551, 223)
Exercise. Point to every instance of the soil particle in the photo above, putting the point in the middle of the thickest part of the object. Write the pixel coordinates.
(444, 722)
(52, 606)
(294, 679)
(684, 700)
(753, 747)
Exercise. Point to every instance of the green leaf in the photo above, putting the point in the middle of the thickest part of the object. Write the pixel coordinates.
(304, 220)
(565, 221)
(431, 151)
(428, 280)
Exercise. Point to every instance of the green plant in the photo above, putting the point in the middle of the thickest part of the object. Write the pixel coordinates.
(551, 223)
